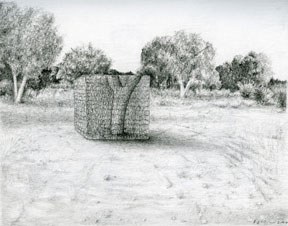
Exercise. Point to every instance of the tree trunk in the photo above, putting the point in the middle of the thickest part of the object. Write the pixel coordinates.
(187, 88)
(182, 89)
(15, 88)
(21, 90)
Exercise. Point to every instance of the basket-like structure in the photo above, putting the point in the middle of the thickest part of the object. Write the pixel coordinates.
(94, 109)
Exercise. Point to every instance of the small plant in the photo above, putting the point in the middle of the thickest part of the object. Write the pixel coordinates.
(246, 90)
(263, 95)
(281, 99)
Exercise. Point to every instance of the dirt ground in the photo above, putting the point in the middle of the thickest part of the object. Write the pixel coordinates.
(204, 164)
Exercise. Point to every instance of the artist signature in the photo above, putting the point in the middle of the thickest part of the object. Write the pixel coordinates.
(270, 222)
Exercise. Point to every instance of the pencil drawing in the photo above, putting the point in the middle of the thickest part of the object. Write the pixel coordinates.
(143, 112)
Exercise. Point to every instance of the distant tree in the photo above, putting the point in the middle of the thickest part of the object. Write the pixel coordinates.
(211, 80)
(116, 72)
(275, 82)
(128, 73)
(31, 43)
(225, 75)
(8, 21)
(254, 68)
(155, 63)
(84, 60)
(47, 77)
(185, 57)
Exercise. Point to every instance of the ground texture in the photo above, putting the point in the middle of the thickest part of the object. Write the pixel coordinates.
(204, 164)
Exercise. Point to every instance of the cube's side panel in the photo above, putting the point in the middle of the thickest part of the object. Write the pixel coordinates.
(99, 107)
(138, 112)
(80, 110)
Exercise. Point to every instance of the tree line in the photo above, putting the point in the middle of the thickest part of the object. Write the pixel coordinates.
(30, 44)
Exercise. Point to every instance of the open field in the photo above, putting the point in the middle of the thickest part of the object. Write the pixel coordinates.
(207, 162)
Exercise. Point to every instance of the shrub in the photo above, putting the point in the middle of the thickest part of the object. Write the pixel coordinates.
(246, 90)
(85, 60)
(281, 99)
(6, 87)
(46, 78)
(263, 95)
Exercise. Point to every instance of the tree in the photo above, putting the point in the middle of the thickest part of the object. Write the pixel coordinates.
(8, 21)
(84, 60)
(254, 68)
(31, 42)
(276, 82)
(187, 57)
(47, 77)
(211, 80)
(155, 63)
(116, 72)
(225, 75)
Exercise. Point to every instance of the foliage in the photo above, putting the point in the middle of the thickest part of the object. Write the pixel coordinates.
(246, 90)
(116, 72)
(182, 58)
(8, 21)
(211, 81)
(279, 90)
(84, 60)
(31, 43)
(226, 78)
(154, 62)
(47, 77)
(6, 87)
(282, 99)
(263, 95)
(276, 82)
(253, 68)
(256, 67)
(5, 72)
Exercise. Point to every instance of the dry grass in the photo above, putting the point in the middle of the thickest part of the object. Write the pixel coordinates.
(216, 161)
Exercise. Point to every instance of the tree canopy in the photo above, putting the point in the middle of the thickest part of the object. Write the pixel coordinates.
(30, 43)
(183, 57)
(254, 68)
(84, 60)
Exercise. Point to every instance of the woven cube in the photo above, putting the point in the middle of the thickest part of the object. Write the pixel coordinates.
(99, 106)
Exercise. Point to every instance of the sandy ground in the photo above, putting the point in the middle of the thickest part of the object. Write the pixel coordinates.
(203, 165)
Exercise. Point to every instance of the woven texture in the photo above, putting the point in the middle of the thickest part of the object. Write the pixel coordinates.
(100, 110)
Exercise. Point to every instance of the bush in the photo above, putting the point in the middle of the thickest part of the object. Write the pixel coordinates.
(85, 60)
(46, 78)
(253, 68)
(281, 99)
(246, 90)
(280, 95)
(263, 95)
(6, 87)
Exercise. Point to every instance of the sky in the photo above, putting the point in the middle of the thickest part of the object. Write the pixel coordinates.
(122, 28)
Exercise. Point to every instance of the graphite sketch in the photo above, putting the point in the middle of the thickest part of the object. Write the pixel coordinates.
(112, 106)
(143, 112)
